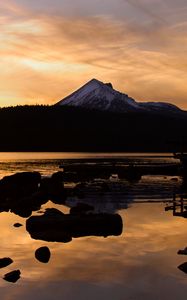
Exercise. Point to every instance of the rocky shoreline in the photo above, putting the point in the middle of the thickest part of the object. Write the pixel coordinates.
(24, 193)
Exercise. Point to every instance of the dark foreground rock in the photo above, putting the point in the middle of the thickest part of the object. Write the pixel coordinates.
(12, 276)
(20, 184)
(24, 206)
(53, 188)
(19, 193)
(6, 261)
(25, 192)
(183, 267)
(59, 227)
(43, 254)
(182, 251)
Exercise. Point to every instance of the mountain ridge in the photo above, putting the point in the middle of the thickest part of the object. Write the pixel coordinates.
(96, 95)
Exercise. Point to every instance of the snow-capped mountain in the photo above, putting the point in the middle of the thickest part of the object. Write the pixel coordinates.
(96, 95)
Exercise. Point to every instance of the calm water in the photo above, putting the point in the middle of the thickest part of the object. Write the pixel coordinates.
(141, 263)
(47, 163)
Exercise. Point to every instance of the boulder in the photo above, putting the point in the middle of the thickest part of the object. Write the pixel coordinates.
(53, 212)
(23, 183)
(6, 261)
(12, 276)
(43, 254)
(24, 206)
(30, 178)
(53, 188)
(60, 227)
(25, 192)
(183, 251)
(58, 176)
(24, 212)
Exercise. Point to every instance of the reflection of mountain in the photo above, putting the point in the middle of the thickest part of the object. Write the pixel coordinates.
(105, 204)
(55, 226)
(103, 195)
(108, 196)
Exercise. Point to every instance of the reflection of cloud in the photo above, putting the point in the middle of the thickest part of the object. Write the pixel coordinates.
(45, 57)
(143, 261)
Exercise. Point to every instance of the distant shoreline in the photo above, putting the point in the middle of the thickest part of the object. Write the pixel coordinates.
(65, 129)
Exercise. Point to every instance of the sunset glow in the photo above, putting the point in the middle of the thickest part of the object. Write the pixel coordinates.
(49, 50)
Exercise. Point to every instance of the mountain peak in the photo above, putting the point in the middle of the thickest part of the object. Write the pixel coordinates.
(98, 82)
(94, 80)
(96, 95)
(94, 84)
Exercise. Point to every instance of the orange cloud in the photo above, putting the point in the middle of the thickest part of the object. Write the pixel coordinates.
(45, 57)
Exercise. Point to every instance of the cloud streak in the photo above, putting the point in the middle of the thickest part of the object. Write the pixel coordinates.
(44, 56)
(145, 8)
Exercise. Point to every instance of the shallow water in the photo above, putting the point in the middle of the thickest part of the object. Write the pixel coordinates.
(141, 263)
(49, 162)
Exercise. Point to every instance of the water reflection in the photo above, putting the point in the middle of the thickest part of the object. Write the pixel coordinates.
(178, 205)
(139, 262)
(54, 226)
(142, 258)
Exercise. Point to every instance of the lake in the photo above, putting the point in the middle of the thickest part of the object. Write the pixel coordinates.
(48, 162)
(140, 263)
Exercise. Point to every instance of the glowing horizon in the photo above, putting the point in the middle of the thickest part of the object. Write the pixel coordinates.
(47, 52)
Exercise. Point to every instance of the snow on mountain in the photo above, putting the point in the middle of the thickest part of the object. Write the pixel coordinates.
(101, 96)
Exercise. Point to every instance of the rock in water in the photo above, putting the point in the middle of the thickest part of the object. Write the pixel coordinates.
(17, 225)
(43, 254)
(183, 267)
(183, 251)
(6, 261)
(12, 276)
(55, 226)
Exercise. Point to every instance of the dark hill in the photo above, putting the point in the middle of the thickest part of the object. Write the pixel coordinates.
(61, 128)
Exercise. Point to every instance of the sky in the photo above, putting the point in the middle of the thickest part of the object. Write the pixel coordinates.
(48, 49)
